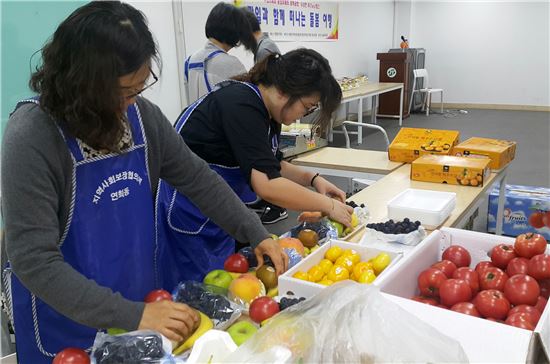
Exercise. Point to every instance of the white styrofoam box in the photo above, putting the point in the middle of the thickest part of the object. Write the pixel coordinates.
(431, 208)
(306, 289)
(482, 340)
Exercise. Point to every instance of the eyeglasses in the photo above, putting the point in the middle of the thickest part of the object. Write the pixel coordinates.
(135, 94)
(309, 110)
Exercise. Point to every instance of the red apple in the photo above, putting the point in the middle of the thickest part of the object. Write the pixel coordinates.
(263, 308)
(236, 263)
(158, 295)
(71, 356)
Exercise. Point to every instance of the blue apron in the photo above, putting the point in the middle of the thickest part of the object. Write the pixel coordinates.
(198, 65)
(109, 237)
(195, 245)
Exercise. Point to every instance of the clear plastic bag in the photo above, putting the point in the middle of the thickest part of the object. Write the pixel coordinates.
(348, 323)
(144, 346)
(210, 300)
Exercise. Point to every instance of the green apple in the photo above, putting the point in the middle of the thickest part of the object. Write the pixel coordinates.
(241, 331)
(219, 278)
(338, 226)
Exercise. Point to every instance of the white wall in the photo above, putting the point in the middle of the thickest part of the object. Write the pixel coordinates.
(166, 93)
(486, 52)
(365, 28)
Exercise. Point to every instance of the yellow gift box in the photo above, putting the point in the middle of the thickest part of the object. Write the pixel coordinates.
(452, 170)
(411, 143)
(501, 152)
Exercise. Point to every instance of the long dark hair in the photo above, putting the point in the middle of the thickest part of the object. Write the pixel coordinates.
(298, 73)
(228, 24)
(78, 79)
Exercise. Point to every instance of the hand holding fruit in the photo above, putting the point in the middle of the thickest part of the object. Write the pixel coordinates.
(324, 187)
(339, 212)
(176, 321)
(273, 250)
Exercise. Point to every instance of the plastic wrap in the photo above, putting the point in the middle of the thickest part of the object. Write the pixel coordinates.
(210, 300)
(350, 322)
(144, 346)
(397, 243)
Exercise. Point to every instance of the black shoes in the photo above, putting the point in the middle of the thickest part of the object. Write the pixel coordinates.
(269, 214)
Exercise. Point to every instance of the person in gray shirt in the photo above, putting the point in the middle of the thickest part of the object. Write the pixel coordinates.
(81, 164)
(265, 46)
(226, 27)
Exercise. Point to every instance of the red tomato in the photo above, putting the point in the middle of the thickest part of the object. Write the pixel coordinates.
(535, 219)
(541, 303)
(427, 300)
(158, 295)
(517, 266)
(470, 276)
(528, 245)
(530, 310)
(481, 266)
(521, 320)
(458, 255)
(466, 308)
(544, 285)
(71, 356)
(492, 303)
(546, 219)
(429, 282)
(502, 254)
(493, 278)
(446, 266)
(539, 267)
(454, 291)
(522, 289)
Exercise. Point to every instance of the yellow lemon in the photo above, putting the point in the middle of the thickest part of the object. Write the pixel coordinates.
(345, 262)
(338, 273)
(354, 220)
(333, 253)
(367, 277)
(326, 282)
(325, 265)
(361, 267)
(353, 255)
(315, 273)
(380, 262)
(301, 275)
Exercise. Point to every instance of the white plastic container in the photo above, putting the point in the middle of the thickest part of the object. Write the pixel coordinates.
(431, 208)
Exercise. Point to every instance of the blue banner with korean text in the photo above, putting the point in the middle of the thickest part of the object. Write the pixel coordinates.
(288, 20)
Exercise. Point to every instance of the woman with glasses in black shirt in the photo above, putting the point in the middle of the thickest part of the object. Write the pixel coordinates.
(236, 128)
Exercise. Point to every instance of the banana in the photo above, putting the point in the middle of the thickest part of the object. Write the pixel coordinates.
(205, 325)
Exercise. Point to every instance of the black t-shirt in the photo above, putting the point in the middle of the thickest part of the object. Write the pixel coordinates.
(232, 127)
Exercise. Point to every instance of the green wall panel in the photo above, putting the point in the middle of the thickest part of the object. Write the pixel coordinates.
(26, 27)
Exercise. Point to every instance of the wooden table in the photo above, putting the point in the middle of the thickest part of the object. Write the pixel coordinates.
(468, 199)
(349, 163)
(366, 90)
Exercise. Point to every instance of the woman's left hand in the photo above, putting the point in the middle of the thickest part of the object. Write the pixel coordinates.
(326, 188)
(272, 249)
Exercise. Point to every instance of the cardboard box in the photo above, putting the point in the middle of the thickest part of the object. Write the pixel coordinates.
(451, 170)
(306, 289)
(521, 202)
(501, 152)
(411, 143)
(483, 340)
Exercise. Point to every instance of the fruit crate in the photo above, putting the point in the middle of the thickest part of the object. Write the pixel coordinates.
(482, 340)
(301, 288)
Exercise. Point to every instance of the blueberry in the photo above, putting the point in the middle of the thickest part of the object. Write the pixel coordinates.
(406, 219)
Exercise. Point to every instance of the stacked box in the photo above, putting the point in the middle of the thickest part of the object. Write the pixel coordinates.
(411, 143)
(527, 209)
(501, 152)
(451, 170)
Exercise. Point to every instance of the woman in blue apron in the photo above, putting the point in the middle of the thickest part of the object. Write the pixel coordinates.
(235, 128)
(226, 27)
(80, 165)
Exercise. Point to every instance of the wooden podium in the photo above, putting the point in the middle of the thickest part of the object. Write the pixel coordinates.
(394, 67)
